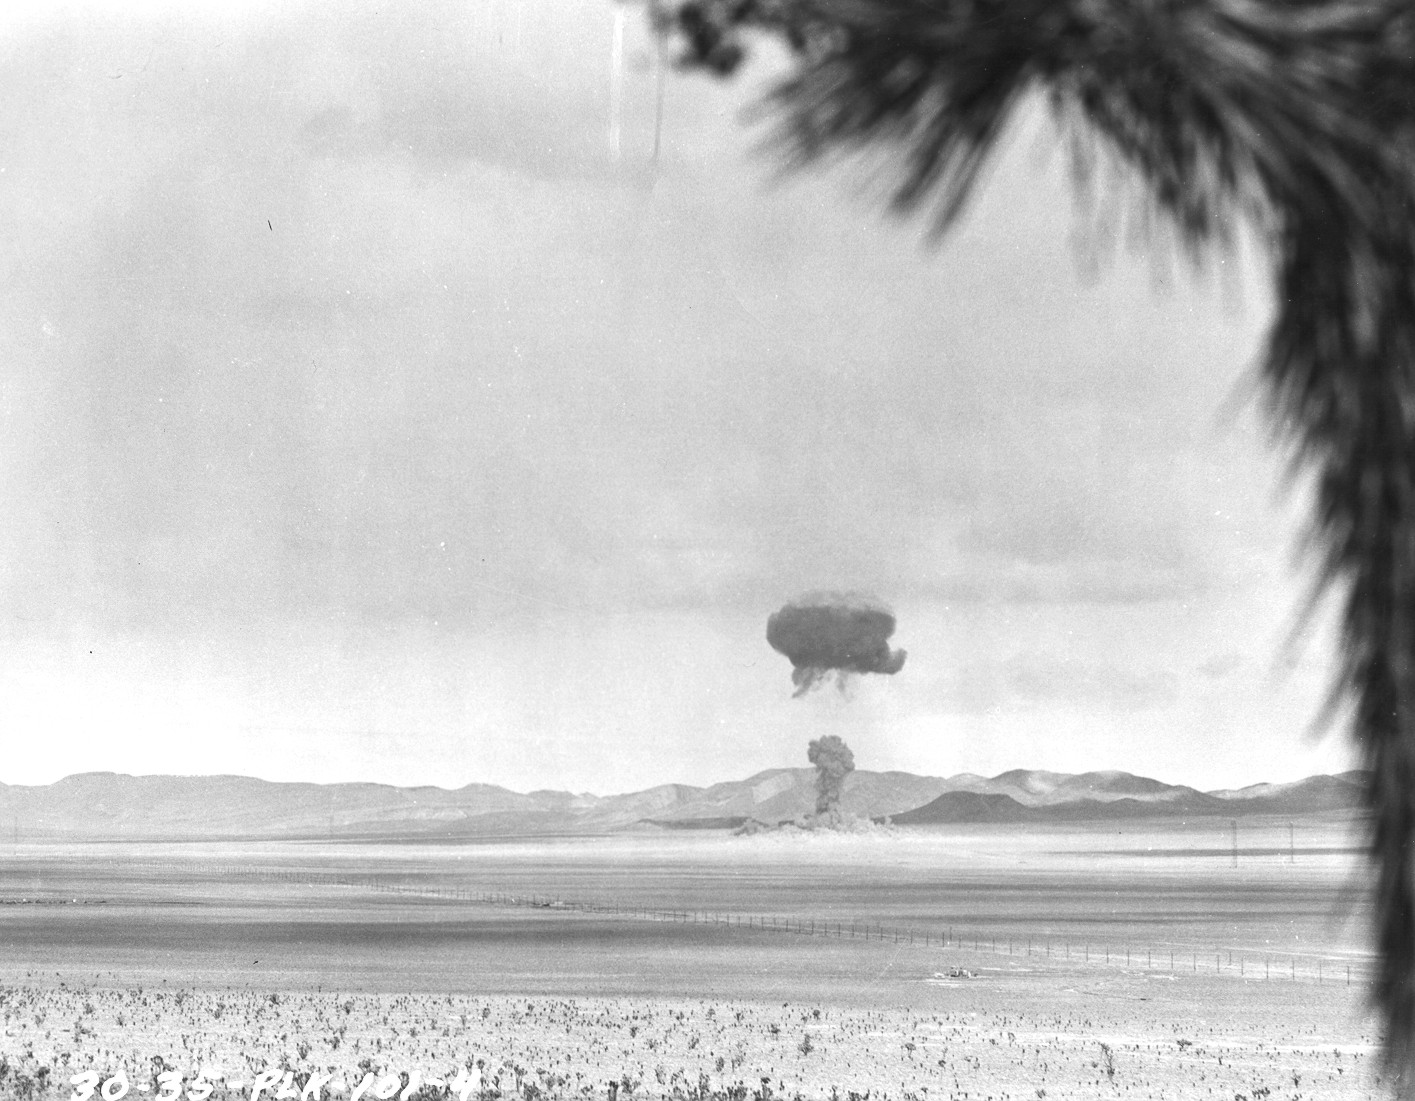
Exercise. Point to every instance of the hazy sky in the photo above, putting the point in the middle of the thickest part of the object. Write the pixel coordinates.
(364, 414)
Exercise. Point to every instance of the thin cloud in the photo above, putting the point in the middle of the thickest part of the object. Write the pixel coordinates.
(1043, 680)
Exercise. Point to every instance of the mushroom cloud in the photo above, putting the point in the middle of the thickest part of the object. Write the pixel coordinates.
(841, 633)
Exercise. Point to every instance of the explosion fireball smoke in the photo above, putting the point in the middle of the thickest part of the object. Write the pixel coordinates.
(826, 632)
(834, 762)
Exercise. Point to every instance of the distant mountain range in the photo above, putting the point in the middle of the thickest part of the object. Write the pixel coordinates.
(1022, 796)
(107, 805)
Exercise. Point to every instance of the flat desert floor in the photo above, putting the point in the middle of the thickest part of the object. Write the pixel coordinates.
(1084, 961)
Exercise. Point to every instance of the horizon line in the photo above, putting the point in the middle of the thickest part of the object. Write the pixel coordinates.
(652, 787)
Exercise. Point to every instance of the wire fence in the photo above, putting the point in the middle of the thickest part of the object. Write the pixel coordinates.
(1238, 962)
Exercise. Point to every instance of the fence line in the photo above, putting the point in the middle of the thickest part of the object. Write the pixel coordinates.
(1267, 966)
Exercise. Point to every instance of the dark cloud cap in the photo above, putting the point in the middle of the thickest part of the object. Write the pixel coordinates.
(825, 632)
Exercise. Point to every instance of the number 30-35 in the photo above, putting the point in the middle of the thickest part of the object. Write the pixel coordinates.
(169, 1085)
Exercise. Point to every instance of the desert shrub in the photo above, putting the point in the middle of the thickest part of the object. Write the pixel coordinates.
(23, 1087)
(1108, 1057)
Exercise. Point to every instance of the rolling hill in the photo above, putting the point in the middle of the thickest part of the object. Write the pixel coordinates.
(106, 805)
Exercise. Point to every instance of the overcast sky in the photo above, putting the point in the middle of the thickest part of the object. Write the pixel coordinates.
(365, 413)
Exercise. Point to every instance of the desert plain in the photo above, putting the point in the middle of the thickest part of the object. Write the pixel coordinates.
(1150, 959)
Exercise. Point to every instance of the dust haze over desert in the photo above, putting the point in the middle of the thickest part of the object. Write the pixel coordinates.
(501, 585)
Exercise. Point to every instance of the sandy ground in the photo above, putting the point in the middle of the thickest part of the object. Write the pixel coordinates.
(124, 975)
(991, 1035)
